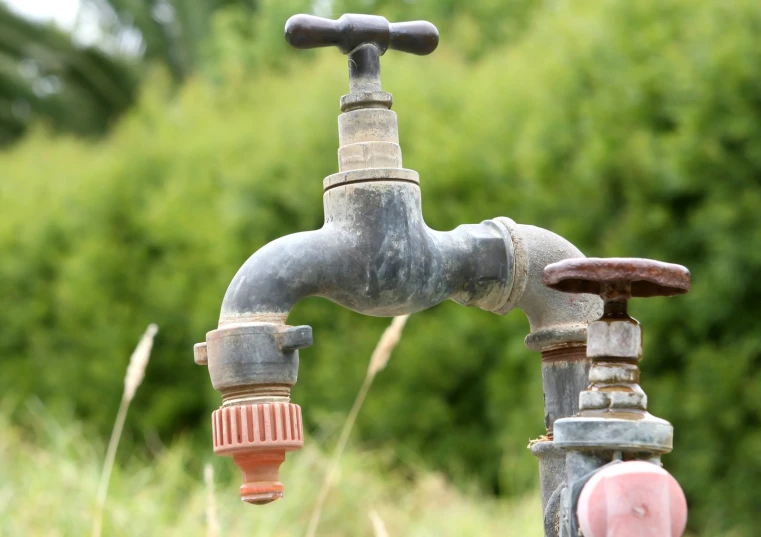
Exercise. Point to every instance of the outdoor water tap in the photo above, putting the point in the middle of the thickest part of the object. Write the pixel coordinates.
(374, 255)
(615, 486)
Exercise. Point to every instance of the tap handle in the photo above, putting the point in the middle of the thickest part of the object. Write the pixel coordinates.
(351, 31)
(601, 276)
(633, 498)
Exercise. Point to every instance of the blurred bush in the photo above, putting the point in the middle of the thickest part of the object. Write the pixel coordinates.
(45, 76)
(631, 128)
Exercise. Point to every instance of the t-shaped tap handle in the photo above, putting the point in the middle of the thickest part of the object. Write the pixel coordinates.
(365, 38)
(352, 31)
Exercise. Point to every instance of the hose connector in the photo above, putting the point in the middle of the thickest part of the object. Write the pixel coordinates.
(254, 365)
(257, 436)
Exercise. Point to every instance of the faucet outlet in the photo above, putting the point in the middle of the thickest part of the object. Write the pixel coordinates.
(253, 366)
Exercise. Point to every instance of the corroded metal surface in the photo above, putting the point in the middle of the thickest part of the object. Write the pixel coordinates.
(251, 354)
(555, 318)
(374, 99)
(369, 175)
(614, 339)
(375, 255)
(647, 434)
(200, 356)
(552, 466)
(565, 372)
(647, 277)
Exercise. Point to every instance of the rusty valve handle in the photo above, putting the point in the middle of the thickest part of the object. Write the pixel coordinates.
(617, 279)
(352, 31)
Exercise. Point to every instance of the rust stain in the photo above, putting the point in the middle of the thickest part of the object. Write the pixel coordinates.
(565, 354)
(619, 413)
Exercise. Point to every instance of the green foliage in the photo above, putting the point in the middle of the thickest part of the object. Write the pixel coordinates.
(47, 77)
(631, 128)
(44, 76)
(172, 32)
(473, 28)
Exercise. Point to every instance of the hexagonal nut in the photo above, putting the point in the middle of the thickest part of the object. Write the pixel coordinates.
(613, 373)
(614, 339)
(628, 400)
(596, 400)
(590, 400)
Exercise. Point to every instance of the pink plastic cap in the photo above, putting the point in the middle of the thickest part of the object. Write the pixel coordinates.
(632, 499)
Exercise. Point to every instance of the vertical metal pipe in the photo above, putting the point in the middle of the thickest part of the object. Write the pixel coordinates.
(565, 373)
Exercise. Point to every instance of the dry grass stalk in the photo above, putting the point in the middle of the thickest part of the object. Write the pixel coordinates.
(138, 362)
(212, 524)
(378, 361)
(132, 379)
(386, 345)
(379, 528)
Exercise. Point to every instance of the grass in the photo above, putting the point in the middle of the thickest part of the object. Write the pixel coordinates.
(132, 380)
(51, 484)
(378, 361)
(49, 474)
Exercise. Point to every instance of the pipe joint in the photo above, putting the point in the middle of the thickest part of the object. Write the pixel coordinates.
(556, 319)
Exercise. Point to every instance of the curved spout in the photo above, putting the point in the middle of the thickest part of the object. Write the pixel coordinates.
(559, 331)
(374, 255)
(277, 276)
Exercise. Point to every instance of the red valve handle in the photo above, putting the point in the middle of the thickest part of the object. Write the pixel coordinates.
(645, 277)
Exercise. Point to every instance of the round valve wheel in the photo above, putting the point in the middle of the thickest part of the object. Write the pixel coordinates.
(646, 276)
(632, 499)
